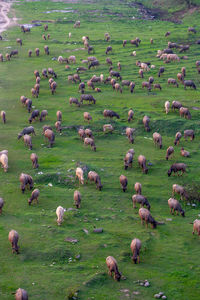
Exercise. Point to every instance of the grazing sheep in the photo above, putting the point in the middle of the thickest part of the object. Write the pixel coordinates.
(108, 49)
(130, 115)
(58, 126)
(177, 167)
(167, 107)
(115, 74)
(137, 198)
(35, 114)
(1, 205)
(87, 116)
(157, 86)
(174, 205)
(189, 133)
(183, 71)
(93, 176)
(191, 29)
(37, 51)
(43, 115)
(59, 115)
(135, 248)
(44, 73)
(52, 73)
(176, 105)
(37, 80)
(3, 116)
(151, 79)
(90, 84)
(89, 141)
(34, 93)
(157, 138)
(86, 97)
(108, 128)
(60, 214)
(141, 73)
(46, 50)
(73, 100)
(177, 138)
(80, 175)
(19, 41)
(112, 267)
(98, 90)
(167, 33)
(13, 52)
(23, 100)
(178, 189)
(81, 133)
(170, 151)
(28, 141)
(146, 121)
(161, 71)
(13, 239)
(49, 134)
(128, 160)
(26, 130)
(147, 217)
(132, 86)
(88, 133)
(118, 87)
(146, 84)
(184, 153)
(119, 66)
(25, 180)
(30, 53)
(4, 160)
(129, 134)
(109, 61)
(77, 24)
(172, 81)
(21, 294)
(124, 182)
(126, 82)
(184, 48)
(189, 83)
(1, 57)
(172, 45)
(72, 59)
(172, 57)
(138, 188)
(81, 87)
(107, 36)
(110, 114)
(134, 42)
(77, 199)
(124, 43)
(7, 56)
(93, 63)
(196, 227)
(46, 27)
(184, 111)
(34, 159)
(53, 87)
(142, 163)
(34, 196)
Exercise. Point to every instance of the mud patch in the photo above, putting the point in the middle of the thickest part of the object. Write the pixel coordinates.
(59, 11)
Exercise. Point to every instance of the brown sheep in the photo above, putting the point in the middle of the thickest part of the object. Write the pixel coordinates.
(87, 116)
(109, 61)
(129, 134)
(89, 141)
(34, 196)
(3, 116)
(172, 81)
(118, 87)
(124, 182)
(124, 43)
(180, 77)
(73, 100)
(53, 87)
(21, 294)
(46, 50)
(196, 227)
(45, 27)
(157, 138)
(44, 37)
(170, 151)
(138, 188)
(43, 115)
(49, 134)
(128, 160)
(176, 105)
(189, 133)
(25, 180)
(58, 126)
(137, 198)
(146, 84)
(19, 41)
(23, 100)
(108, 128)
(142, 163)
(180, 190)
(7, 56)
(81, 133)
(157, 86)
(30, 53)
(4, 160)
(177, 138)
(177, 167)
(90, 84)
(1, 57)
(34, 93)
(183, 71)
(13, 239)
(60, 214)
(93, 176)
(112, 267)
(184, 153)
(45, 127)
(147, 217)
(77, 199)
(1, 205)
(28, 141)
(141, 73)
(37, 51)
(59, 115)
(174, 205)
(80, 175)
(34, 159)
(130, 115)
(184, 112)
(119, 66)
(146, 121)
(135, 248)
(88, 133)
(38, 80)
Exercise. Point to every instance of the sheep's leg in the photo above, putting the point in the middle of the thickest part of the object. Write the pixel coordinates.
(138, 259)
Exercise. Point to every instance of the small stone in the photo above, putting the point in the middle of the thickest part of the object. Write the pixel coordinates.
(50, 184)
(161, 294)
(98, 230)
(136, 293)
(71, 240)
(164, 297)
(78, 256)
(125, 291)
(141, 283)
(168, 219)
(86, 231)
(157, 296)
(147, 284)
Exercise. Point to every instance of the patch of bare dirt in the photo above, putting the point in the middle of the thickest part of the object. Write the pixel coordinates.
(5, 22)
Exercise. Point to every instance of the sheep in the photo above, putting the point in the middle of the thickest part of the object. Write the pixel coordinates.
(89, 141)
(88, 133)
(34, 159)
(134, 42)
(189, 83)
(189, 133)
(49, 134)
(108, 49)
(93, 63)
(77, 24)
(1, 205)
(135, 248)
(110, 114)
(1, 57)
(157, 138)
(3, 116)
(46, 50)
(175, 168)
(157, 86)
(172, 45)
(178, 189)
(128, 160)
(115, 74)
(45, 27)
(73, 100)
(59, 115)
(19, 41)
(13, 237)
(167, 33)
(177, 138)
(81, 69)
(81, 133)
(52, 73)
(170, 151)
(4, 161)
(174, 205)
(28, 141)
(23, 100)
(141, 200)
(44, 73)
(119, 66)
(107, 36)
(167, 106)
(45, 127)
(124, 43)
(147, 217)
(191, 29)
(112, 267)
(184, 111)
(7, 56)
(184, 153)
(130, 115)
(151, 79)
(172, 81)
(124, 182)
(34, 196)
(87, 116)
(144, 66)
(53, 87)
(34, 93)
(77, 199)
(26, 130)
(183, 71)
(129, 134)
(72, 59)
(13, 52)
(161, 71)
(98, 90)
(172, 57)
(28, 104)
(146, 121)
(176, 105)
(81, 87)
(109, 61)
(35, 114)
(118, 87)
(93, 176)
(142, 163)
(80, 175)
(108, 128)
(43, 114)
(146, 84)
(86, 97)
(141, 73)
(184, 48)
(30, 53)
(61, 59)
(25, 180)
(138, 188)
(21, 294)
(90, 84)
(37, 51)
(196, 227)
(37, 80)
(60, 214)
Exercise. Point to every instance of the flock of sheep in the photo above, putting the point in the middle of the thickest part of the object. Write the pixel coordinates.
(87, 136)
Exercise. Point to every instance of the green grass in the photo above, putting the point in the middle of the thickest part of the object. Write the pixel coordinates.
(47, 266)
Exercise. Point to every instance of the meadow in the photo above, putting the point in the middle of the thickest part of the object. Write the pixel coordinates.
(49, 267)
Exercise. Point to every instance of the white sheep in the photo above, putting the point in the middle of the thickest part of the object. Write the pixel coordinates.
(79, 175)
(60, 213)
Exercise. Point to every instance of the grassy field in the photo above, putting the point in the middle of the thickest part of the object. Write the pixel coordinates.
(48, 267)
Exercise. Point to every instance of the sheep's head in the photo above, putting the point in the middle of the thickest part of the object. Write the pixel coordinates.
(117, 276)
(169, 172)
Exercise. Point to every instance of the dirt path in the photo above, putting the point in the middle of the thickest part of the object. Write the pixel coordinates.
(5, 22)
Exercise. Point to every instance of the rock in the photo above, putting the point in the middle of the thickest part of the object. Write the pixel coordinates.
(98, 230)
(168, 219)
(157, 296)
(136, 293)
(78, 256)
(86, 231)
(125, 291)
(71, 240)
(164, 297)
(147, 284)
(161, 294)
